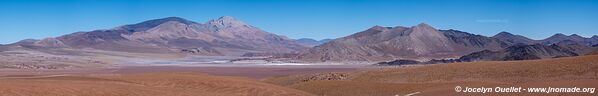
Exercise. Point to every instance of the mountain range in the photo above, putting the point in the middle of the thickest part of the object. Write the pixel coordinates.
(423, 42)
(223, 36)
(417, 42)
(528, 52)
(227, 36)
(311, 42)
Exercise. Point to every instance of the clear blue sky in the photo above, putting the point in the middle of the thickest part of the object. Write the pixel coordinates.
(318, 19)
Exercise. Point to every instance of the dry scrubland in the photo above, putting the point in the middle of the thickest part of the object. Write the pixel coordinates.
(440, 79)
(581, 71)
(148, 84)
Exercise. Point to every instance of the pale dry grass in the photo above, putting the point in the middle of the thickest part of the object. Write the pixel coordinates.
(434, 80)
(147, 84)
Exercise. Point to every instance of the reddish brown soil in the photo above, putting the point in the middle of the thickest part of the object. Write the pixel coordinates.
(147, 84)
(434, 80)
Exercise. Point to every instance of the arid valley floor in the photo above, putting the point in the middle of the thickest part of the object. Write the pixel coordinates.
(431, 80)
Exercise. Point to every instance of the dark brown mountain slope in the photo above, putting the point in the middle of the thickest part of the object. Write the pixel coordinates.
(556, 38)
(421, 42)
(514, 39)
(530, 52)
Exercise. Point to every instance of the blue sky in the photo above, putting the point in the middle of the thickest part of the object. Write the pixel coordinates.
(318, 19)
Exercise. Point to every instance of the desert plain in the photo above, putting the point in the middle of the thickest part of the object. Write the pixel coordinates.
(290, 80)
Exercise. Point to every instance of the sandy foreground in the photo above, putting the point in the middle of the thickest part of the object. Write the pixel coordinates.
(154, 81)
(146, 84)
(322, 80)
(442, 79)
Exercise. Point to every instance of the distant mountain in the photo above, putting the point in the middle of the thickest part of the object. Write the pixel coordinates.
(529, 52)
(511, 38)
(223, 36)
(421, 42)
(594, 40)
(576, 47)
(328, 40)
(556, 38)
(17, 45)
(311, 42)
(307, 42)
